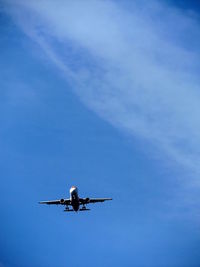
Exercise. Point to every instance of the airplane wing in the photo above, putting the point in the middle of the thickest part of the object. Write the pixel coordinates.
(92, 200)
(57, 202)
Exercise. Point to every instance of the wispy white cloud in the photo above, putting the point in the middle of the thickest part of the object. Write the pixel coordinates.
(133, 63)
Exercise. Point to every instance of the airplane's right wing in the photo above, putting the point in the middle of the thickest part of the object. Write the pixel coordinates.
(57, 202)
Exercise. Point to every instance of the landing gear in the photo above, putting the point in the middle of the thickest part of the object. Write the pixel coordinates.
(68, 209)
(83, 208)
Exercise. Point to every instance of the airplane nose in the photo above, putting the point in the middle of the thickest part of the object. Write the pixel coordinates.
(73, 188)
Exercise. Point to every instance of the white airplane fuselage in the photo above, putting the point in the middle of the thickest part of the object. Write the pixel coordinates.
(74, 198)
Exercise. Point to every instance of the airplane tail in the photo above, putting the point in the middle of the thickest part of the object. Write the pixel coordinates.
(66, 210)
(83, 209)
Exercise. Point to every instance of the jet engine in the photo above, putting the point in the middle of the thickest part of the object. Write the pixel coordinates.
(62, 201)
(87, 200)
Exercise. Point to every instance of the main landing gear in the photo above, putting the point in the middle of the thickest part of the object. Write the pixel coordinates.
(84, 208)
(81, 209)
(67, 209)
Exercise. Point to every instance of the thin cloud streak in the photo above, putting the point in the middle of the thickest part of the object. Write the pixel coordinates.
(130, 64)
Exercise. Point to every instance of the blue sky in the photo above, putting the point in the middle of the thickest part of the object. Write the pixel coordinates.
(103, 95)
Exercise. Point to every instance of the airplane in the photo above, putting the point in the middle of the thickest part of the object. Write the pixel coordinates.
(74, 201)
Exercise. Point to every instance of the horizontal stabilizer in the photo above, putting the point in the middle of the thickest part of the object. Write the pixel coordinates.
(83, 209)
(68, 210)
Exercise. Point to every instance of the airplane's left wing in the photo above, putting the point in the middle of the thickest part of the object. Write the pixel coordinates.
(93, 200)
(57, 202)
